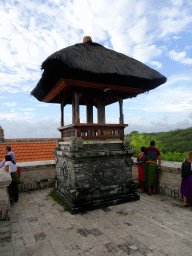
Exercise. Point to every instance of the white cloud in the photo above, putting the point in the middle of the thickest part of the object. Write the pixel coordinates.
(177, 2)
(159, 126)
(175, 100)
(176, 37)
(176, 79)
(173, 20)
(26, 109)
(139, 30)
(180, 57)
(171, 100)
(12, 116)
(10, 104)
(146, 53)
(157, 64)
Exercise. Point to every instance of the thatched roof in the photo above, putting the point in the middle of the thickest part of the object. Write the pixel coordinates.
(94, 63)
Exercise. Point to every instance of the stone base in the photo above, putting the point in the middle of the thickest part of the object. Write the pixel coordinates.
(94, 174)
(81, 207)
(5, 180)
(4, 204)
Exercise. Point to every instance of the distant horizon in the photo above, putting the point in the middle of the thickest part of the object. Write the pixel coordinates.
(59, 137)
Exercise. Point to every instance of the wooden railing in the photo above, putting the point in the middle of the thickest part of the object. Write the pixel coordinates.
(93, 131)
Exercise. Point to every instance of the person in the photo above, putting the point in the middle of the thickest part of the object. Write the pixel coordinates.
(141, 177)
(10, 167)
(8, 151)
(186, 184)
(151, 170)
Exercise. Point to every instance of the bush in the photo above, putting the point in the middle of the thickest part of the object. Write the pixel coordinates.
(167, 153)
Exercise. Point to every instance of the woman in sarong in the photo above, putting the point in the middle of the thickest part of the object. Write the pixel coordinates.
(151, 169)
(141, 177)
(186, 185)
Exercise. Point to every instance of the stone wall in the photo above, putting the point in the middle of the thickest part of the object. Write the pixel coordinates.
(169, 177)
(40, 174)
(36, 175)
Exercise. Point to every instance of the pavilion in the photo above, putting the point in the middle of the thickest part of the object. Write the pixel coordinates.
(92, 75)
(90, 175)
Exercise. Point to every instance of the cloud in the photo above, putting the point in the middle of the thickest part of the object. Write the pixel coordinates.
(10, 104)
(169, 100)
(26, 109)
(175, 100)
(146, 53)
(173, 20)
(160, 126)
(177, 2)
(157, 64)
(180, 57)
(176, 37)
(176, 79)
(41, 128)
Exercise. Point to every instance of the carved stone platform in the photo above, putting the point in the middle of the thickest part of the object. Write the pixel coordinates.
(94, 174)
(5, 180)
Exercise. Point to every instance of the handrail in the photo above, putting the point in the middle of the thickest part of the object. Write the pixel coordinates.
(90, 131)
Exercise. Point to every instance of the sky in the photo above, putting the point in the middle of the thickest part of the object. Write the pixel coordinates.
(157, 33)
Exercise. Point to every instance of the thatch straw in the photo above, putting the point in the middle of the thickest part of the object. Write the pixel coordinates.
(92, 62)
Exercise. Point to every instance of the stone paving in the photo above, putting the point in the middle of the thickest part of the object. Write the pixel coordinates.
(155, 225)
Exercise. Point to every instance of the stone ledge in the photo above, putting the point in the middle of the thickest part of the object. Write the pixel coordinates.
(36, 163)
(164, 163)
(92, 142)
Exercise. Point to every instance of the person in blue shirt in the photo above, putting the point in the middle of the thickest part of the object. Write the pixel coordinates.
(9, 152)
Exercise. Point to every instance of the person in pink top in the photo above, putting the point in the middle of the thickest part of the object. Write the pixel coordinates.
(141, 176)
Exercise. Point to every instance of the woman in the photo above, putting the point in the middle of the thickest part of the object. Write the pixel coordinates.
(12, 169)
(186, 185)
(141, 170)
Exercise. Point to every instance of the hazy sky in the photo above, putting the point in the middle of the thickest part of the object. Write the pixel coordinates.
(158, 33)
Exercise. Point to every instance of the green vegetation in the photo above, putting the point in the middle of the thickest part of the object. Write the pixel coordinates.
(56, 199)
(173, 145)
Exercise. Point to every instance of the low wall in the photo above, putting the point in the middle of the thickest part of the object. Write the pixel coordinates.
(36, 175)
(40, 174)
(169, 177)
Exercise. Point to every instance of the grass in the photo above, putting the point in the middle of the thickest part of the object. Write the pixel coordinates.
(56, 199)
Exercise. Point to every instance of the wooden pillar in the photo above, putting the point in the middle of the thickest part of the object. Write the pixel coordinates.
(121, 118)
(75, 107)
(73, 110)
(101, 109)
(62, 114)
(89, 111)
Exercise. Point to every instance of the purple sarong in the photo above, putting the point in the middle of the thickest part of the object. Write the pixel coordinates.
(186, 187)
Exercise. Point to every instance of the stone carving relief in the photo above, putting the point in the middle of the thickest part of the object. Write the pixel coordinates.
(65, 171)
(62, 170)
